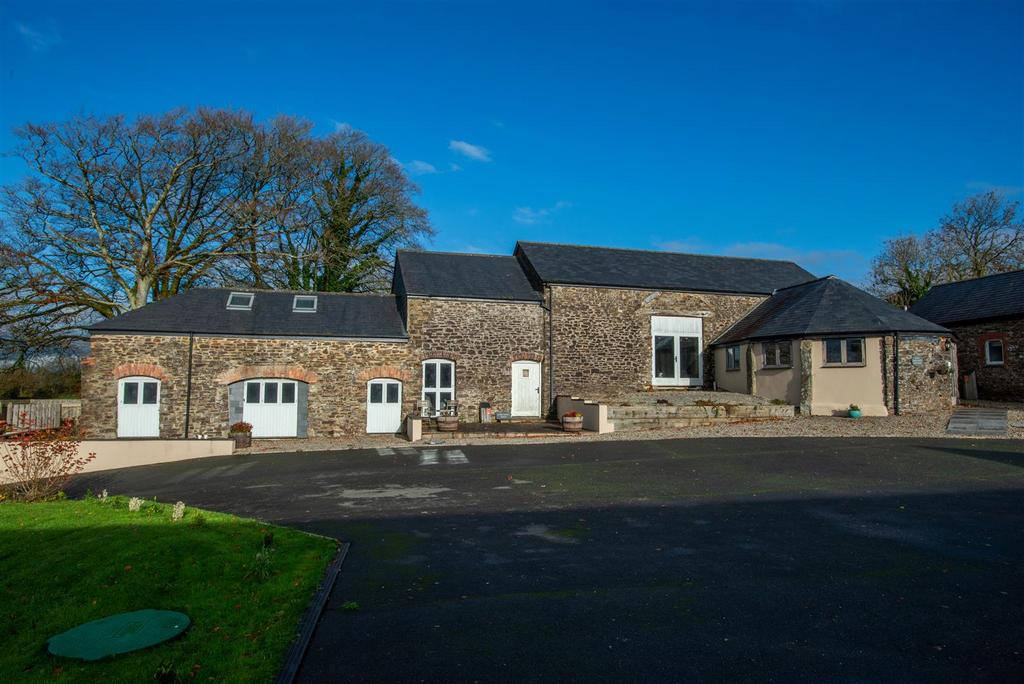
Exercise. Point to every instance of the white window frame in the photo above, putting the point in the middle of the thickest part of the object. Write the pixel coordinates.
(732, 361)
(777, 361)
(240, 307)
(297, 309)
(844, 347)
(424, 390)
(988, 357)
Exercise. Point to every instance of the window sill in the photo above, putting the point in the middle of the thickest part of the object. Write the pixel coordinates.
(844, 365)
(732, 370)
(994, 365)
(775, 367)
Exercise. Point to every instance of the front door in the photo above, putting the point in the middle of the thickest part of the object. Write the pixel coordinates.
(525, 388)
(383, 406)
(271, 408)
(677, 359)
(138, 407)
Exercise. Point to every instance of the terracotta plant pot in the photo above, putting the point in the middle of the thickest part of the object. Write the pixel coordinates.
(243, 440)
(447, 423)
(572, 423)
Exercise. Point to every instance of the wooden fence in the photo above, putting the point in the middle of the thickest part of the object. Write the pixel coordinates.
(40, 413)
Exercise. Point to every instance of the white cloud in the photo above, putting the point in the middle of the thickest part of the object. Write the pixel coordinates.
(453, 167)
(341, 126)
(498, 123)
(530, 216)
(469, 150)
(418, 167)
(37, 41)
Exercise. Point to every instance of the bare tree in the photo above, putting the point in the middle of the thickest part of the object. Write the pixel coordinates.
(981, 236)
(115, 214)
(905, 270)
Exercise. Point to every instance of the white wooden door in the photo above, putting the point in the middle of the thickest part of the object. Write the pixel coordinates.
(525, 388)
(677, 351)
(138, 407)
(271, 407)
(383, 406)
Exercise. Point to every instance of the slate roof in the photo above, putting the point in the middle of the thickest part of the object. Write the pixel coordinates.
(994, 296)
(204, 311)
(827, 306)
(580, 265)
(472, 276)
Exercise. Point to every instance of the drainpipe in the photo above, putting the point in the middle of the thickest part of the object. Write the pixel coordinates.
(550, 309)
(188, 383)
(896, 373)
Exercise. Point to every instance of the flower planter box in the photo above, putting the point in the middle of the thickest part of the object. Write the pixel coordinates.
(243, 440)
(447, 423)
(572, 423)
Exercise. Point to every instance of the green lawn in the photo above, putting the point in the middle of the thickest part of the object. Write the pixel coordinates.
(67, 562)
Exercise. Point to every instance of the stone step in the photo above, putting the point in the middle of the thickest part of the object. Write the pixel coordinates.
(742, 411)
(680, 423)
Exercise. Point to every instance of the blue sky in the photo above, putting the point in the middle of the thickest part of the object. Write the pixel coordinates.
(803, 130)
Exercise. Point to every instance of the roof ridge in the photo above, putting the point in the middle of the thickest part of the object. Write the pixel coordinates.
(659, 251)
(271, 290)
(472, 254)
(970, 280)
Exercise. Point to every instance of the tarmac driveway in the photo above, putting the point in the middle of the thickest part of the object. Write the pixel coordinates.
(844, 560)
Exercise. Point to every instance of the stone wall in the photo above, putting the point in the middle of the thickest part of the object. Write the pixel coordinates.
(483, 338)
(926, 381)
(336, 372)
(1004, 382)
(602, 336)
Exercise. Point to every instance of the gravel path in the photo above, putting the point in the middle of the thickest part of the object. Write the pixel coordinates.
(932, 425)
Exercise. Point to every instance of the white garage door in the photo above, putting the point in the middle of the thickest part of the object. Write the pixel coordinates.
(383, 406)
(138, 407)
(271, 407)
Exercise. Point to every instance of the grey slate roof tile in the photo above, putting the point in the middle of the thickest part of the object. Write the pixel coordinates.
(827, 306)
(473, 276)
(580, 265)
(994, 296)
(204, 311)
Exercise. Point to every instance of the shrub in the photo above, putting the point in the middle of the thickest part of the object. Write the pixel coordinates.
(571, 414)
(37, 463)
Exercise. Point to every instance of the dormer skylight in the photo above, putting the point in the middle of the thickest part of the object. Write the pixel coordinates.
(304, 303)
(240, 301)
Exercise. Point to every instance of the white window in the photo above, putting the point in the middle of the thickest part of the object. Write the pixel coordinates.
(732, 358)
(778, 354)
(844, 352)
(438, 385)
(304, 303)
(240, 301)
(993, 352)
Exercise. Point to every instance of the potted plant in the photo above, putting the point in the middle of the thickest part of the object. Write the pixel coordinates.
(854, 411)
(572, 421)
(241, 432)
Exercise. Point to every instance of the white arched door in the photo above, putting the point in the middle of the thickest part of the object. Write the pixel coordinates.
(383, 406)
(271, 407)
(138, 407)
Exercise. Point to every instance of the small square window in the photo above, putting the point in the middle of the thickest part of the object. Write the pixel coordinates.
(855, 351)
(376, 393)
(994, 352)
(392, 393)
(844, 352)
(149, 392)
(252, 393)
(131, 393)
(270, 393)
(288, 393)
(304, 303)
(240, 301)
(777, 354)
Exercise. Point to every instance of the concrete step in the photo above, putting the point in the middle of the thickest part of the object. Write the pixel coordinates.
(661, 412)
(677, 423)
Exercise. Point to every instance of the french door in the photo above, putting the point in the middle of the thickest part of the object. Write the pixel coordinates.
(677, 358)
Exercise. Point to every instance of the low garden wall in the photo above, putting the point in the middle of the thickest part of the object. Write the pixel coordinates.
(126, 453)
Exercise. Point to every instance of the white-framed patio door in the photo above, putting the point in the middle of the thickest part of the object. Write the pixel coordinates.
(138, 407)
(383, 406)
(525, 388)
(677, 351)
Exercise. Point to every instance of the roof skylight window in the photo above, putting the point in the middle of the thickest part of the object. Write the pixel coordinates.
(304, 303)
(240, 301)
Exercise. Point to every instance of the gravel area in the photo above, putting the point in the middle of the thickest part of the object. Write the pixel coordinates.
(932, 425)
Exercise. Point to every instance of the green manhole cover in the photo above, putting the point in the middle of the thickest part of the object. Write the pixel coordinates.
(119, 633)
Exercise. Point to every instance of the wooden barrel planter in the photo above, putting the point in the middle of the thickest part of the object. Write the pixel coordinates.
(447, 423)
(243, 440)
(572, 423)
